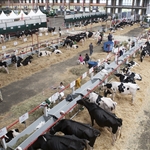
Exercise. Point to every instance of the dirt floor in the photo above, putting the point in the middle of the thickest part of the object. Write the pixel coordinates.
(25, 88)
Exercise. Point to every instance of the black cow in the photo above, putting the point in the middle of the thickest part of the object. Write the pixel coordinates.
(68, 42)
(50, 29)
(11, 134)
(82, 131)
(27, 60)
(55, 142)
(19, 34)
(4, 65)
(124, 78)
(103, 118)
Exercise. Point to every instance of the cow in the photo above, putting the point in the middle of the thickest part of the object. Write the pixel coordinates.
(80, 130)
(126, 71)
(44, 53)
(19, 34)
(3, 64)
(145, 52)
(56, 142)
(103, 118)
(131, 64)
(11, 134)
(122, 88)
(56, 51)
(104, 102)
(125, 78)
(27, 60)
(43, 29)
(50, 29)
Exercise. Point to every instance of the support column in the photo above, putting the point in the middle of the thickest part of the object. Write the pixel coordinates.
(106, 6)
(132, 6)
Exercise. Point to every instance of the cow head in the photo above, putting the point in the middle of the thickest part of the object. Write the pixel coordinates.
(121, 88)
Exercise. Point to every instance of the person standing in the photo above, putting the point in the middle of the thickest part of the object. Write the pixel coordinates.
(91, 48)
(59, 32)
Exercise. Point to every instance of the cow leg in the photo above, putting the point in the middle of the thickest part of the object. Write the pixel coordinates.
(118, 133)
(113, 138)
(133, 97)
(16, 66)
(6, 70)
(92, 121)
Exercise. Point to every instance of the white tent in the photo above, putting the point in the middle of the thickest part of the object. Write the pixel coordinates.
(23, 16)
(3, 17)
(41, 15)
(12, 16)
(32, 14)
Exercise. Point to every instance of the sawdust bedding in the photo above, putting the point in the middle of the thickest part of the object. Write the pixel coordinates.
(124, 109)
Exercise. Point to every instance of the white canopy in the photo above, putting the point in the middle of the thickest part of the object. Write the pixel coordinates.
(39, 13)
(32, 14)
(22, 15)
(12, 15)
(3, 16)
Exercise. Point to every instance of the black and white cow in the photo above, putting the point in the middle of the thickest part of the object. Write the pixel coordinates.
(82, 131)
(103, 118)
(126, 71)
(44, 53)
(56, 142)
(104, 102)
(145, 52)
(11, 134)
(3, 64)
(131, 64)
(125, 79)
(122, 88)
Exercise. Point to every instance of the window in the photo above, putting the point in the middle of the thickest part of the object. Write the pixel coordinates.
(109, 2)
(75, 1)
(102, 1)
(87, 1)
(58, 1)
(94, 1)
(127, 2)
(67, 1)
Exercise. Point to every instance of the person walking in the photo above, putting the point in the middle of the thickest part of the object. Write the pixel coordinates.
(91, 48)
(59, 32)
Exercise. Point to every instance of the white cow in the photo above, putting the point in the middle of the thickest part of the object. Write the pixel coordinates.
(122, 88)
(104, 102)
(44, 53)
(42, 29)
(57, 51)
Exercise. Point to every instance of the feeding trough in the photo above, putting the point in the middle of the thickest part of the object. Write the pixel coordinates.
(108, 46)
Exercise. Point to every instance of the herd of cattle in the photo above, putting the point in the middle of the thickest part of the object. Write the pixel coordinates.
(78, 136)
(69, 42)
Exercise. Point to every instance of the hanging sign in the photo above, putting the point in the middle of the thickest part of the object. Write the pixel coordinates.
(25, 39)
(72, 84)
(15, 43)
(55, 97)
(84, 75)
(24, 117)
(3, 47)
(3, 131)
(90, 70)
